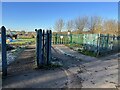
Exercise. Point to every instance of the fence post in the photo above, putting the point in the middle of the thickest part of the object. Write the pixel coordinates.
(39, 47)
(113, 42)
(4, 57)
(50, 39)
(56, 38)
(43, 42)
(37, 51)
(98, 44)
(70, 38)
(47, 45)
(107, 42)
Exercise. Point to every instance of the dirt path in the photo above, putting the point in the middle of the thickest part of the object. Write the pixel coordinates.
(78, 71)
(25, 62)
(69, 63)
(22, 74)
(93, 72)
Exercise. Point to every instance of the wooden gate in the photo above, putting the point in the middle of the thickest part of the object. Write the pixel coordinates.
(43, 47)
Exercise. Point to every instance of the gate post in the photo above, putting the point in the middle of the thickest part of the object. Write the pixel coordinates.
(43, 42)
(39, 47)
(47, 42)
(37, 36)
(50, 39)
(48, 46)
(4, 59)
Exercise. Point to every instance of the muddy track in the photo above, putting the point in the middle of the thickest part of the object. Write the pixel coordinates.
(73, 80)
(89, 72)
(24, 62)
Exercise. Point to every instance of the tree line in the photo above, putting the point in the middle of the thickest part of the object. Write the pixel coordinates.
(93, 24)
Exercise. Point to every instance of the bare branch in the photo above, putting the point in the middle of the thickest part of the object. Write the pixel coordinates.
(80, 23)
(59, 25)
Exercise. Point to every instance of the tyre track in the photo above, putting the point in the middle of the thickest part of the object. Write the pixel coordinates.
(73, 80)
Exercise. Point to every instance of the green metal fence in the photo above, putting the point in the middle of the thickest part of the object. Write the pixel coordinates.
(92, 42)
(78, 38)
(60, 39)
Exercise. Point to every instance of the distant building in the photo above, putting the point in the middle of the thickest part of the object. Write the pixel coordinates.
(11, 34)
(86, 29)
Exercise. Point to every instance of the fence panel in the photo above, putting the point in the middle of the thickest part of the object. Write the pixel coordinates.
(60, 39)
(93, 42)
(78, 38)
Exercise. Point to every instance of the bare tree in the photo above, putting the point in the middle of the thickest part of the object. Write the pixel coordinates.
(70, 25)
(111, 26)
(118, 30)
(59, 24)
(95, 24)
(81, 22)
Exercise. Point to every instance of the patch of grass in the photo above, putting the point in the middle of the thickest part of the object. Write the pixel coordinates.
(81, 50)
(17, 43)
(23, 42)
(71, 46)
(76, 45)
(89, 53)
(33, 39)
(27, 37)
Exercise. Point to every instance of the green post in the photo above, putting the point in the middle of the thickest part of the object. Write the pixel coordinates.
(113, 41)
(70, 38)
(56, 38)
(107, 41)
(98, 43)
